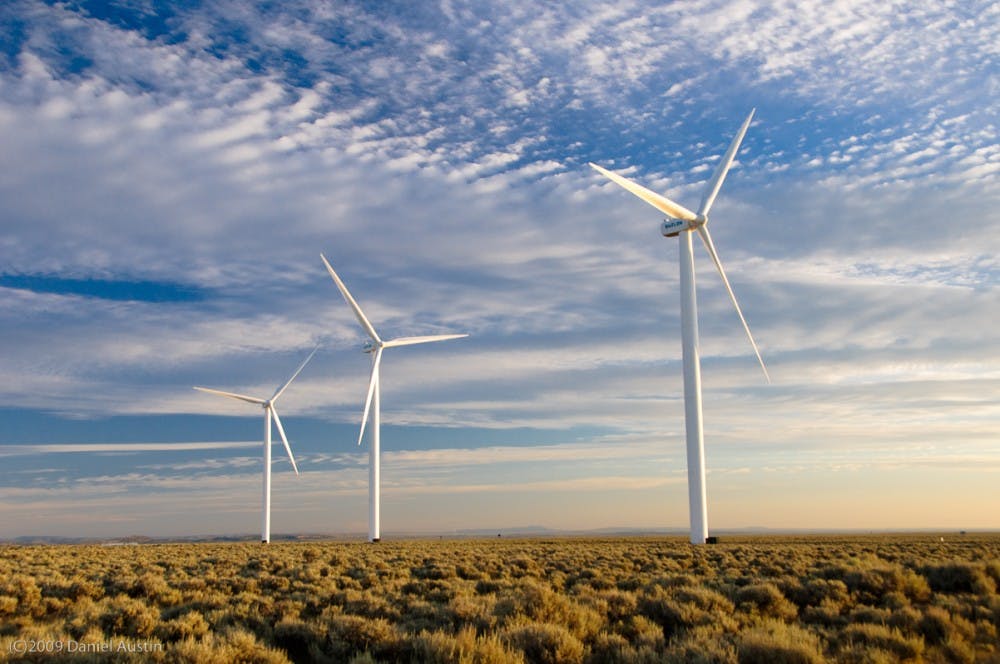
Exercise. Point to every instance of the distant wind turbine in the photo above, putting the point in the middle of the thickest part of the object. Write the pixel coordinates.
(375, 346)
(680, 222)
(269, 412)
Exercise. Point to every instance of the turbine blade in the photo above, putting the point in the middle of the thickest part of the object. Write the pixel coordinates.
(284, 439)
(710, 246)
(723, 168)
(231, 395)
(371, 392)
(409, 341)
(350, 300)
(302, 366)
(661, 203)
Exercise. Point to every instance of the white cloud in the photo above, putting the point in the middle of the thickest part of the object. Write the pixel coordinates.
(440, 162)
(117, 448)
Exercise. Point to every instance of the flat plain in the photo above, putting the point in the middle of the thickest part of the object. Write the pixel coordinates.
(884, 598)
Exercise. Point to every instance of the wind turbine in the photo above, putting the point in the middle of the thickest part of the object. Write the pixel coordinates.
(375, 346)
(679, 223)
(269, 413)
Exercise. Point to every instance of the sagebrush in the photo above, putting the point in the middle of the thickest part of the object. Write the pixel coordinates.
(808, 599)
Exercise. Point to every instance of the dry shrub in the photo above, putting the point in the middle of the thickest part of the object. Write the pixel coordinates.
(915, 586)
(992, 568)
(677, 609)
(896, 600)
(702, 645)
(643, 632)
(468, 572)
(463, 647)
(938, 626)
(611, 648)
(432, 569)
(8, 605)
(431, 589)
(535, 602)
(766, 600)
(827, 614)
(84, 619)
(906, 619)
(81, 587)
(861, 654)
(26, 594)
(125, 616)
(418, 615)
(366, 603)
(522, 566)
(620, 605)
(252, 612)
(274, 584)
(363, 658)
(935, 625)
(589, 577)
(774, 642)
(348, 635)
(475, 610)
(881, 637)
(830, 593)
(545, 643)
(235, 645)
(986, 633)
(960, 578)
(630, 583)
(874, 585)
(303, 642)
(670, 615)
(488, 586)
(673, 581)
(871, 615)
(190, 625)
(149, 586)
(705, 599)
(958, 651)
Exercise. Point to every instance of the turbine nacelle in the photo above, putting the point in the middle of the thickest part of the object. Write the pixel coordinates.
(369, 347)
(671, 227)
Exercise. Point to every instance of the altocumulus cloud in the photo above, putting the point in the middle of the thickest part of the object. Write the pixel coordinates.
(170, 176)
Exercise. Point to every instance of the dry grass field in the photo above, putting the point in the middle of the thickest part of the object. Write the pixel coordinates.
(891, 598)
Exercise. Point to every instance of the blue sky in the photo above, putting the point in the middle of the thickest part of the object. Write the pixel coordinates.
(172, 170)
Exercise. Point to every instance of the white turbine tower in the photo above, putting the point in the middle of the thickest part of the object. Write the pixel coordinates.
(680, 222)
(269, 413)
(372, 402)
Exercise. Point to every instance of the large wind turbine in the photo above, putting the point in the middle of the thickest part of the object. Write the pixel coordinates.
(681, 222)
(372, 402)
(269, 413)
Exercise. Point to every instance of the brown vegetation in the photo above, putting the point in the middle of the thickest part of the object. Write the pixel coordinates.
(863, 599)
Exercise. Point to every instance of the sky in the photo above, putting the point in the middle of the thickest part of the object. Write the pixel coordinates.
(172, 170)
